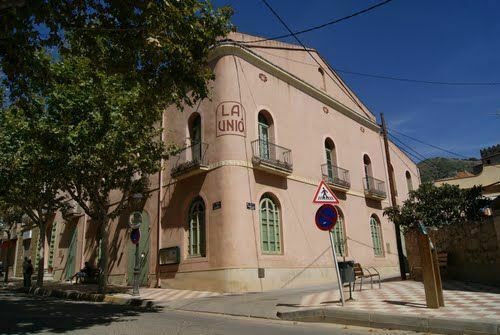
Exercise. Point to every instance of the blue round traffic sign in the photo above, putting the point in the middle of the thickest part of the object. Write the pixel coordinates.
(135, 235)
(326, 217)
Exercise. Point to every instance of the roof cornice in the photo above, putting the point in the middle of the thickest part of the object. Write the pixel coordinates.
(232, 48)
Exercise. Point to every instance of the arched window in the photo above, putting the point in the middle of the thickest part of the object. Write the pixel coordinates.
(196, 225)
(331, 160)
(195, 136)
(270, 230)
(408, 181)
(376, 231)
(367, 163)
(323, 82)
(339, 236)
(265, 125)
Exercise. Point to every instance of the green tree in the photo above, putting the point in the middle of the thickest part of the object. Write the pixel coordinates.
(10, 216)
(29, 171)
(105, 71)
(438, 206)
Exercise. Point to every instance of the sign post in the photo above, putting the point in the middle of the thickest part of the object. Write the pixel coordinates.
(326, 218)
(332, 242)
(430, 270)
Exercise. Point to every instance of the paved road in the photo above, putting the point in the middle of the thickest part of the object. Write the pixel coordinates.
(21, 314)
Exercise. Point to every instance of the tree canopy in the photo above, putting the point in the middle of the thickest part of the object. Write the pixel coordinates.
(160, 45)
(89, 82)
(438, 206)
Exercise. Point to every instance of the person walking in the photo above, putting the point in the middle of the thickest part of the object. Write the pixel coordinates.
(25, 270)
(29, 273)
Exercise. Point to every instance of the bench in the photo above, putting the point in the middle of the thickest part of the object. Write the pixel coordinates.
(360, 272)
(93, 278)
(442, 259)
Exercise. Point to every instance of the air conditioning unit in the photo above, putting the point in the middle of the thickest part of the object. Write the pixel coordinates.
(74, 209)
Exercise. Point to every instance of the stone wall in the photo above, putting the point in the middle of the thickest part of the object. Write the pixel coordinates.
(473, 250)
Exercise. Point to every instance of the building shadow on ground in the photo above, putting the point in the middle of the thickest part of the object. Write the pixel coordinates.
(23, 314)
(455, 285)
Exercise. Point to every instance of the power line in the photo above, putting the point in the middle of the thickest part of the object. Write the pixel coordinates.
(418, 156)
(409, 80)
(382, 76)
(329, 23)
(343, 88)
(414, 153)
(401, 159)
(428, 144)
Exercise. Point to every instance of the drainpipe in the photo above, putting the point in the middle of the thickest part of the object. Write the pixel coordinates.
(392, 188)
(82, 260)
(158, 225)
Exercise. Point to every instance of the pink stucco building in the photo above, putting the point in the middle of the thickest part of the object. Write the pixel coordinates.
(235, 210)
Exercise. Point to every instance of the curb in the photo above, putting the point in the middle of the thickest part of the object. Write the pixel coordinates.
(82, 296)
(393, 321)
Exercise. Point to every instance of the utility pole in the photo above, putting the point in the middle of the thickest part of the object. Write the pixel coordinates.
(392, 188)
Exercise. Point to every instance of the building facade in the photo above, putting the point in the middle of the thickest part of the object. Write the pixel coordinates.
(487, 174)
(232, 211)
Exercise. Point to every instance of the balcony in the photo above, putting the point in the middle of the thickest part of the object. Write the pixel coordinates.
(272, 158)
(336, 177)
(374, 188)
(190, 161)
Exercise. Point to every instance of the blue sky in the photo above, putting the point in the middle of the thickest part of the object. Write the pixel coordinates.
(446, 40)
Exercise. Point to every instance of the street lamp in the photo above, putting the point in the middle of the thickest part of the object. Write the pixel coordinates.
(135, 222)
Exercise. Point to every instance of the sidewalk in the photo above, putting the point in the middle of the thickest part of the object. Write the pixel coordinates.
(469, 308)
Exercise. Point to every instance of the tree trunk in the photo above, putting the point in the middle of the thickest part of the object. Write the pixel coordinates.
(103, 261)
(41, 253)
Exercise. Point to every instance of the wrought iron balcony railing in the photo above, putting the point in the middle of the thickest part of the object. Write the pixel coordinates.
(190, 160)
(270, 155)
(374, 187)
(336, 176)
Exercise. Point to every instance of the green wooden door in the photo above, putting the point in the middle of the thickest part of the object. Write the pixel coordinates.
(71, 262)
(196, 139)
(263, 140)
(143, 254)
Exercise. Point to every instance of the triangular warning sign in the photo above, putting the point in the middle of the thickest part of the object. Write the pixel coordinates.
(324, 195)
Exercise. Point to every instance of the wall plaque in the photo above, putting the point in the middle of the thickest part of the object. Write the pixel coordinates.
(169, 255)
(230, 119)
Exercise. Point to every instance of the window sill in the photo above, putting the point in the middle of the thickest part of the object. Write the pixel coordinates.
(195, 259)
(272, 254)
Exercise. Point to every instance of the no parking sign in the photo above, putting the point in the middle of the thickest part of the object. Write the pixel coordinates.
(326, 217)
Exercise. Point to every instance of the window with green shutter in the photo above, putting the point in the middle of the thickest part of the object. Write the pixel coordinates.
(270, 230)
(339, 238)
(52, 245)
(331, 159)
(263, 136)
(196, 233)
(376, 231)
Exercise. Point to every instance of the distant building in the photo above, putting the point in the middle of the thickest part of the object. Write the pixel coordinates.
(235, 210)
(487, 176)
